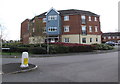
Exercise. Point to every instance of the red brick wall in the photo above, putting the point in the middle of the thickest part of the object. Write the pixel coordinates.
(75, 24)
(24, 32)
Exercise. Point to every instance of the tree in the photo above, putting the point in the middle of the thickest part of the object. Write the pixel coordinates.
(39, 28)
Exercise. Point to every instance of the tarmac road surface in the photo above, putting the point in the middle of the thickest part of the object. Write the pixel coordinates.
(76, 68)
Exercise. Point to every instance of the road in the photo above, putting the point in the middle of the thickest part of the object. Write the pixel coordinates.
(75, 68)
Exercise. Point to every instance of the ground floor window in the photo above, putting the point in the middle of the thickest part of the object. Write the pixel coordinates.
(83, 40)
(96, 39)
(67, 40)
(90, 39)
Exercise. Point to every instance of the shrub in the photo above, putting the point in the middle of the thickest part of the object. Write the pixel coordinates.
(80, 48)
(102, 47)
(37, 50)
(58, 49)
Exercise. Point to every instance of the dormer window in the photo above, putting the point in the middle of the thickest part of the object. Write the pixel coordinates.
(66, 18)
(52, 17)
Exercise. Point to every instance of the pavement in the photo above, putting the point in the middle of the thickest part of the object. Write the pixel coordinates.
(11, 68)
(102, 67)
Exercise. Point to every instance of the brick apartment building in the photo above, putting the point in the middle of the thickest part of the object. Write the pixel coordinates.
(70, 26)
(111, 36)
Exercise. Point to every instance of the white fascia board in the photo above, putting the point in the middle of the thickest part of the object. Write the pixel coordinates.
(52, 9)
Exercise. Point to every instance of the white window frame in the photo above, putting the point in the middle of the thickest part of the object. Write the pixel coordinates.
(90, 19)
(33, 29)
(90, 28)
(96, 28)
(91, 40)
(96, 39)
(85, 40)
(66, 28)
(83, 17)
(95, 18)
(44, 20)
(66, 18)
(52, 17)
(118, 37)
(113, 37)
(104, 37)
(50, 29)
(66, 40)
(109, 37)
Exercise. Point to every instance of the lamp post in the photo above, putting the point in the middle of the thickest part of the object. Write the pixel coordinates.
(0, 39)
(47, 44)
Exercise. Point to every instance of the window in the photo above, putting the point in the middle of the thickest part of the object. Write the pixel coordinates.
(90, 39)
(28, 26)
(104, 37)
(52, 17)
(66, 40)
(66, 28)
(117, 37)
(33, 21)
(83, 40)
(44, 30)
(83, 19)
(109, 37)
(84, 30)
(96, 39)
(89, 18)
(90, 28)
(33, 30)
(66, 18)
(44, 19)
(113, 37)
(95, 18)
(52, 29)
(96, 29)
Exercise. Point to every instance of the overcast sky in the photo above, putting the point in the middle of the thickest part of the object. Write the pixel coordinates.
(13, 12)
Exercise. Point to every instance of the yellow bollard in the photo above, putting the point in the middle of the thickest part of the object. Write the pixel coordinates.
(25, 60)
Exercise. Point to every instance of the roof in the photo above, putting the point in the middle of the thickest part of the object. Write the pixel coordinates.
(76, 12)
(111, 34)
(71, 12)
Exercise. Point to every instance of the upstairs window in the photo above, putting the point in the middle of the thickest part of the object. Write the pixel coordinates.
(84, 32)
(90, 28)
(52, 17)
(66, 28)
(96, 29)
(89, 18)
(104, 37)
(113, 37)
(109, 37)
(66, 18)
(95, 18)
(44, 20)
(52, 29)
(117, 37)
(83, 19)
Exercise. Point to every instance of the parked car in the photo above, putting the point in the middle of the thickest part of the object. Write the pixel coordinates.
(111, 43)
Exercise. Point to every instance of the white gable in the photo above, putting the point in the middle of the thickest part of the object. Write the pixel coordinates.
(52, 9)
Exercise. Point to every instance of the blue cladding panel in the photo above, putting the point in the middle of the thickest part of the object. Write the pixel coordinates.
(53, 23)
